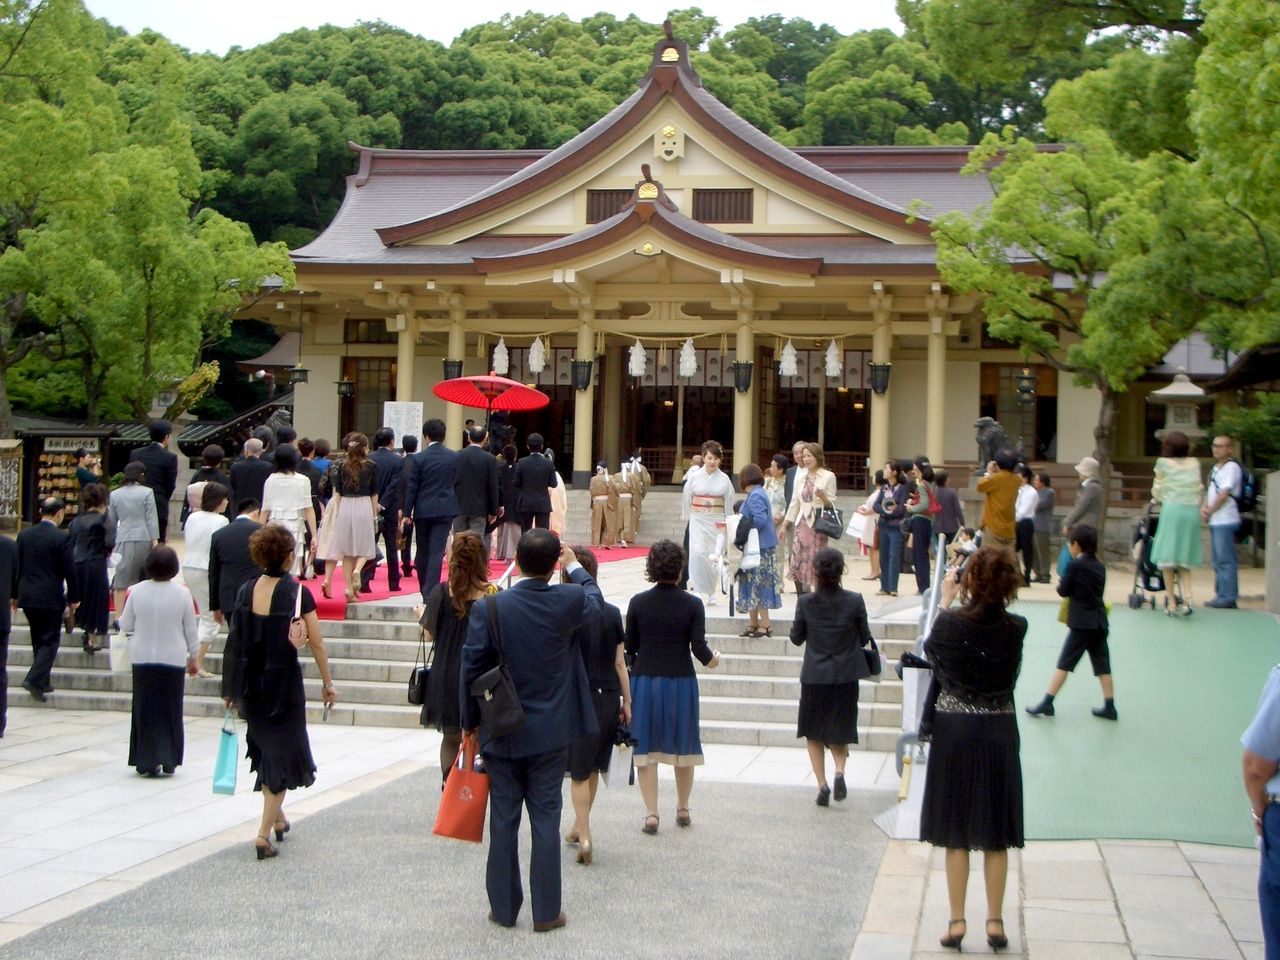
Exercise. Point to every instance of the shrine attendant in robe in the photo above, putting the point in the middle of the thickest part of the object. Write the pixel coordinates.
(604, 510)
(708, 499)
(626, 515)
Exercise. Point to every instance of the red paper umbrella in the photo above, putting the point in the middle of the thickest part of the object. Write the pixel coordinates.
(490, 392)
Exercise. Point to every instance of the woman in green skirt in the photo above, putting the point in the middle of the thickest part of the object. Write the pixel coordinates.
(1178, 490)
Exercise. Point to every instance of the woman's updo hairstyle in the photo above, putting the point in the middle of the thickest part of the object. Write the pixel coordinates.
(828, 568)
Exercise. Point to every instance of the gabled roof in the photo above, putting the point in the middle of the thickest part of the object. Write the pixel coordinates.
(649, 207)
(671, 75)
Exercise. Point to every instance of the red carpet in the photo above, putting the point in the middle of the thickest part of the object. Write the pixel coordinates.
(336, 608)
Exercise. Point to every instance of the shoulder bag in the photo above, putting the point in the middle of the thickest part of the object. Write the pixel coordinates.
(421, 670)
(829, 522)
(871, 653)
(494, 691)
(297, 626)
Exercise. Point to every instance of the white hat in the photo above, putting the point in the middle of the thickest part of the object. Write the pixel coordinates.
(1088, 468)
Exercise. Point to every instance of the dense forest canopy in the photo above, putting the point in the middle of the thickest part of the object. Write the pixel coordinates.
(214, 165)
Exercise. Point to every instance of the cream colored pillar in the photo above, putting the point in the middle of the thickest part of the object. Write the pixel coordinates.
(935, 403)
(453, 412)
(612, 432)
(406, 352)
(584, 405)
(744, 404)
(881, 352)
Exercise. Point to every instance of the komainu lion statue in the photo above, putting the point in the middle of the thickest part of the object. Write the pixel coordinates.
(991, 437)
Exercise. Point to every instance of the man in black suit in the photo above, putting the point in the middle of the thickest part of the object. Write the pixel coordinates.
(8, 600)
(388, 466)
(162, 469)
(408, 444)
(249, 473)
(475, 485)
(535, 476)
(230, 566)
(535, 621)
(429, 501)
(44, 566)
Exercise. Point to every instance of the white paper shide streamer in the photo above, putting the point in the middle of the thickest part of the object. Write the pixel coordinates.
(787, 365)
(834, 367)
(637, 360)
(501, 358)
(688, 359)
(537, 356)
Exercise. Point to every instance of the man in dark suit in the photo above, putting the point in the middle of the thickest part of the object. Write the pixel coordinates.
(388, 466)
(8, 600)
(429, 501)
(535, 476)
(475, 485)
(44, 566)
(230, 566)
(249, 473)
(535, 621)
(408, 444)
(162, 469)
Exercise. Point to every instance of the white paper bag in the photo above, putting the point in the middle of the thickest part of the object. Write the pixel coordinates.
(121, 662)
(619, 772)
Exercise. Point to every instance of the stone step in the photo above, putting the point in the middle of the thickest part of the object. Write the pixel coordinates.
(756, 709)
(888, 690)
(751, 733)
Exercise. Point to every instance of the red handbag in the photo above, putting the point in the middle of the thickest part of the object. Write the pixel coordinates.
(466, 796)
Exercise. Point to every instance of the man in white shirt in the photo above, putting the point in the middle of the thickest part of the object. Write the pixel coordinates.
(1221, 512)
(1024, 515)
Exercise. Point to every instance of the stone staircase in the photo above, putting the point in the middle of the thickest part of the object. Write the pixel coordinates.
(752, 698)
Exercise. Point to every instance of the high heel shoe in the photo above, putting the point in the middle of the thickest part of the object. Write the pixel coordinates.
(996, 941)
(650, 824)
(584, 852)
(281, 831)
(952, 940)
(264, 850)
(327, 590)
(682, 817)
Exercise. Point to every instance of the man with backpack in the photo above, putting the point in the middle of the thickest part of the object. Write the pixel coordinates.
(1221, 511)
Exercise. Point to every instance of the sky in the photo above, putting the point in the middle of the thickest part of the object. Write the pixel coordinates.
(215, 27)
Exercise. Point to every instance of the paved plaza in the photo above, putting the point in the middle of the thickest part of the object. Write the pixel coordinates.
(97, 861)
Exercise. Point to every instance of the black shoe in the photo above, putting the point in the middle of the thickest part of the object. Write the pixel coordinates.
(1042, 709)
(393, 587)
(996, 941)
(1105, 713)
(1043, 580)
(1217, 604)
(841, 790)
(34, 691)
(408, 570)
(824, 796)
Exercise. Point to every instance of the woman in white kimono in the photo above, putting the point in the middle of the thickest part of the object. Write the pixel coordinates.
(708, 499)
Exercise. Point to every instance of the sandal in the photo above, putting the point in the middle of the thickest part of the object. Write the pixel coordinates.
(682, 817)
(650, 824)
(750, 632)
(283, 826)
(764, 632)
(264, 850)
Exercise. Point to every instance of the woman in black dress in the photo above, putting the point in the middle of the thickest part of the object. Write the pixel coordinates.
(600, 641)
(262, 674)
(973, 794)
(445, 619)
(92, 537)
(831, 624)
(666, 629)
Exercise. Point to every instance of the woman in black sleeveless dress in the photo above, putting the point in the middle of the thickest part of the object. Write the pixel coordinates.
(262, 674)
(92, 537)
(973, 794)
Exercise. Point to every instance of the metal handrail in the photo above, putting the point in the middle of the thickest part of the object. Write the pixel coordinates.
(504, 581)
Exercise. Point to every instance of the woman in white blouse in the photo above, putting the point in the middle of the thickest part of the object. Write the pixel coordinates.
(286, 500)
(198, 532)
(708, 499)
(814, 488)
(161, 616)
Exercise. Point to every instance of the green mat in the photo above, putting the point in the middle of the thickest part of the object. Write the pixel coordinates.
(1186, 688)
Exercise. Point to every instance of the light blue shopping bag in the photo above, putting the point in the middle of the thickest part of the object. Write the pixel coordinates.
(224, 768)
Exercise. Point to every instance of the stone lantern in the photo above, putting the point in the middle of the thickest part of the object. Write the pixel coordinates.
(1180, 398)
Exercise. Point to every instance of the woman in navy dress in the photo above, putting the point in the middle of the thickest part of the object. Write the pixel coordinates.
(666, 629)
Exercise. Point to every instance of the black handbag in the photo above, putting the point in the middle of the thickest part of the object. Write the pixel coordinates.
(494, 691)
(829, 522)
(871, 653)
(421, 671)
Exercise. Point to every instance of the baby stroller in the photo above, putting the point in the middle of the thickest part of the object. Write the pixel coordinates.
(1147, 577)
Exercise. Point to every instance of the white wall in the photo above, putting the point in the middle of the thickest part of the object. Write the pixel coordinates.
(1077, 415)
(907, 379)
(315, 404)
(964, 381)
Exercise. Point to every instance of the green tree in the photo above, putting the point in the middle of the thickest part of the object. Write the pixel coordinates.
(1056, 255)
(787, 50)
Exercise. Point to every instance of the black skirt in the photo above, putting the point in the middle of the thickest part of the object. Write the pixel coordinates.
(156, 734)
(973, 792)
(94, 611)
(592, 752)
(829, 713)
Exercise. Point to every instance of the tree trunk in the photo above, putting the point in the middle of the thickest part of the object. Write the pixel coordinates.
(6, 414)
(1103, 431)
